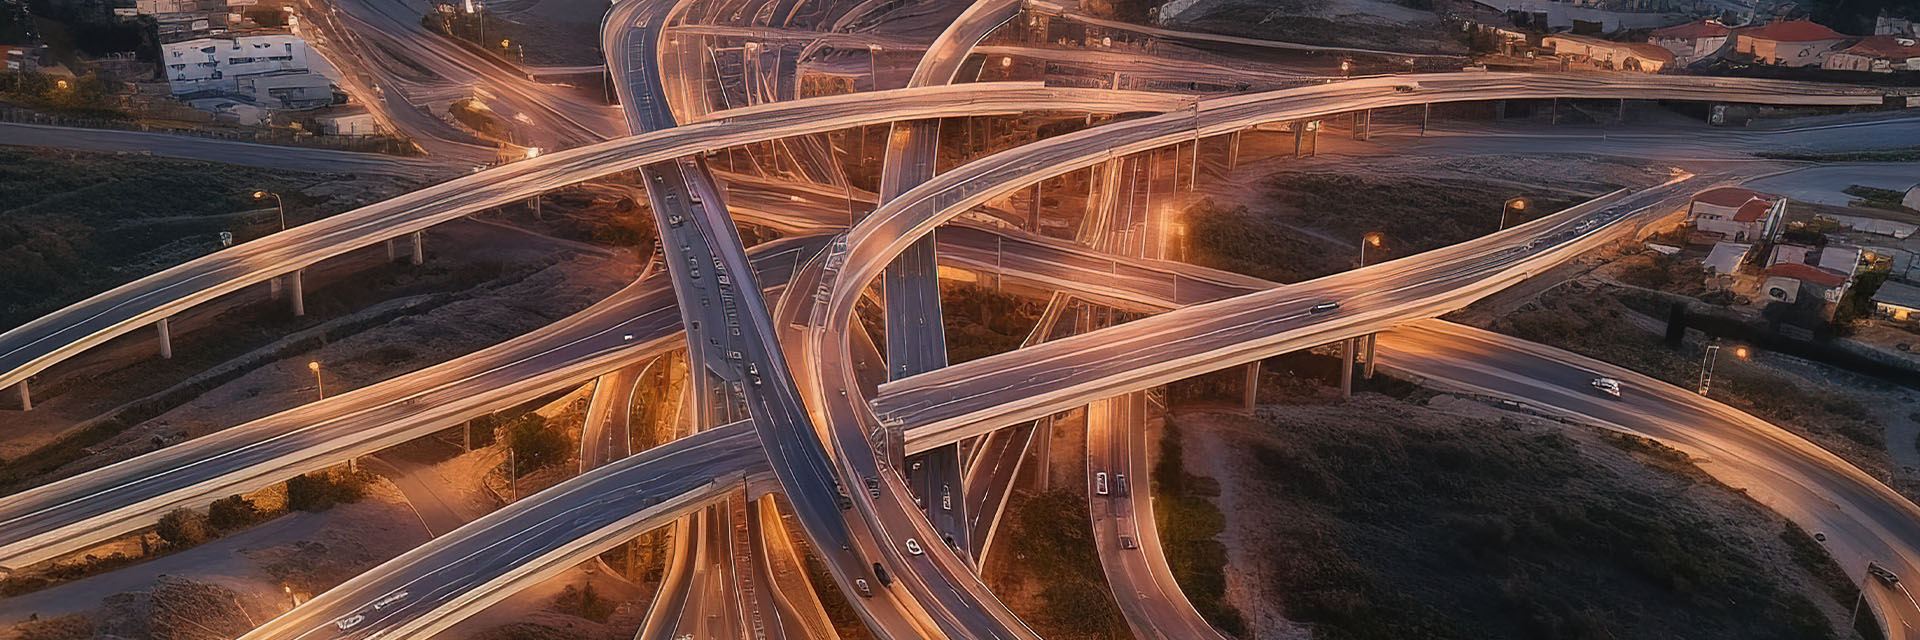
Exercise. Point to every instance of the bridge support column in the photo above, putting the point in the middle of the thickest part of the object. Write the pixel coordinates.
(1499, 109)
(1372, 340)
(295, 294)
(419, 247)
(166, 338)
(1033, 212)
(273, 288)
(1253, 385)
(1363, 124)
(26, 397)
(1426, 113)
(1299, 136)
(392, 253)
(1621, 117)
(1233, 150)
(1555, 117)
(1346, 367)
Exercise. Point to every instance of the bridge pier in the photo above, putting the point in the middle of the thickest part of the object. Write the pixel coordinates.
(1253, 385)
(1346, 367)
(1233, 150)
(1363, 124)
(26, 397)
(1033, 212)
(1299, 136)
(1426, 113)
(166, 338)
(273, 288)
(295, 294)
(392, 253)
(419, 247)
(1372, 340)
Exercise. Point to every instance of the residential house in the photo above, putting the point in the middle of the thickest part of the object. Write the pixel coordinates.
(1726, 257)
(1624, 56)
(1786, 282)
(1692, 41)
(1886, 25)
(346, 121)
(1878, 54)
(1912, 199)
(1742, 215)
(1791, 43)
(1840, 258)
(1897, 300)
(1794, 253)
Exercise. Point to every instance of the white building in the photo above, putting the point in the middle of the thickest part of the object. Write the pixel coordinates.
(1878, 54)
(1692, 41)
(1737, 214)
(206, 64)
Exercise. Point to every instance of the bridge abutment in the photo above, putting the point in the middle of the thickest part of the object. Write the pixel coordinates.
(166, 338)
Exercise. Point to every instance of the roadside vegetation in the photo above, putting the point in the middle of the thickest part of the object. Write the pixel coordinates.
(1048, 535)
(1396, 523)
(981, 321)
(1190, 526)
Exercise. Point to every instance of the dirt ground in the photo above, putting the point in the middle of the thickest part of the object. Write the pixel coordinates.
(1283, 541)
(306, 552)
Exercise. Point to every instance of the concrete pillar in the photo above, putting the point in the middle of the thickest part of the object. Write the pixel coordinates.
(1346, 367)
(419, 247)
(1313, 141)
(1373, 339)
(1363, 124)
(1426, 113)
(1622, 116)
(1233, 150)
(1033, 213)
(273, 288)
(1554, 118)
(296, 294)
(166, 339)
(1042, 455)
(26, 397)
(1299, 136)
(1499, 109)
(391, 255)
(1253, 385)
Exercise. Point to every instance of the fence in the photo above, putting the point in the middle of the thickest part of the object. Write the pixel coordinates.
(368, 143)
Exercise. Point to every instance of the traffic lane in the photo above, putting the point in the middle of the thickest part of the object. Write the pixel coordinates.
(27, 349)
(70, 513)
(416, 591)
(605, 436)
(1862, 518)
(1032, 382)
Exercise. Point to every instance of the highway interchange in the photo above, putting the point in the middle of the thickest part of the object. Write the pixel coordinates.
(785, 399)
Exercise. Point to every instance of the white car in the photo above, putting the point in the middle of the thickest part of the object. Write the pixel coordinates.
(913, 547)
(1608, 386)
(1100, 483)
(349, 622)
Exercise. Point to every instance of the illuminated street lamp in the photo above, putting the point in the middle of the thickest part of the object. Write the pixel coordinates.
(533, 152)
(1513, 205)
(278, 205)
(1373, 238)
(62, 84)
(1346, 67)
(318, 384)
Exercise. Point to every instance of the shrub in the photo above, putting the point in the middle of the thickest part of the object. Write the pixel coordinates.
(231, 512)
(182, 528)
(534, 445)
(320, 490)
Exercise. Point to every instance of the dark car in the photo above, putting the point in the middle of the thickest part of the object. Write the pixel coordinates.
(1324, 307)
(1882, 574)
(881, 573)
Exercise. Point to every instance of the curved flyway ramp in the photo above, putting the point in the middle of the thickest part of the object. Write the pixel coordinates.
(32, 347)
(456, 575)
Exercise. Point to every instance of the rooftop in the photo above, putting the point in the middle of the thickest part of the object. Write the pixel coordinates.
(1728, 196)
(1792, 31)
(1754, 209)
(1899, 294)
(1808, 273)
(1705, 28)
(1886, 47)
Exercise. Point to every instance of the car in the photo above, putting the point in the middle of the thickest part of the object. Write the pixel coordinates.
(1100, 483)
(913, 547)
(881, 573)
(840, 496)
(1405, 88)
(946, 497)
(1819, 537)
(916, 465)
(349, 622)
(389, 600)
(1882, 574)
(675, 219)
(873, 487)
(1608, 386)
(753, 369)
(626, 337)
(1120, 483)
(860, 584)
(1126, 542)
(1324, 307)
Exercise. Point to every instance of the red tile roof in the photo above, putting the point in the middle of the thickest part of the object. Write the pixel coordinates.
(1754, 209)
(1792, 31)
(1885, 47)
(1808, 273)
(1696, 30)
(1728, 196)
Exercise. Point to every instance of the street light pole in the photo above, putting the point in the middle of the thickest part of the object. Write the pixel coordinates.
(278, 205)
(1513, 204)
(873, 65)
(318, 384)
(1372, 238)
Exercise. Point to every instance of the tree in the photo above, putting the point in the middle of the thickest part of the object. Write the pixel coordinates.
(182, 527)
(534, 445)
(320, 490)
(231, 512)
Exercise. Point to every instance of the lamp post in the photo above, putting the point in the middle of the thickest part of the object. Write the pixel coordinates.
(318, 384)
(1512, 205)
(278, 205)
(1373, 238)
(1707, 362)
